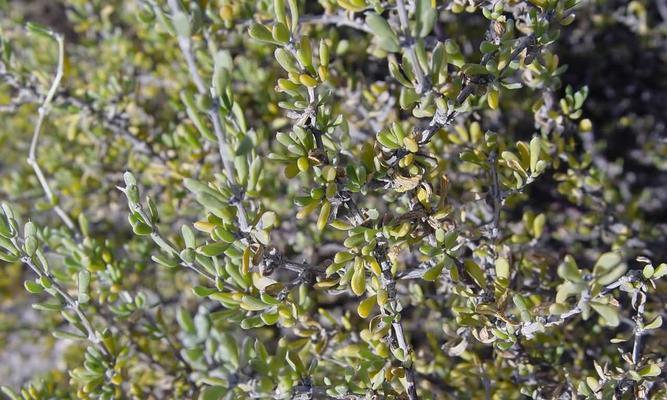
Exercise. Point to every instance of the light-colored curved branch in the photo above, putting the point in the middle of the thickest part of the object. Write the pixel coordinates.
(43, 112)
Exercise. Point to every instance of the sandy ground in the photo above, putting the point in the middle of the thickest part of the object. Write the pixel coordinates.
(24, 355)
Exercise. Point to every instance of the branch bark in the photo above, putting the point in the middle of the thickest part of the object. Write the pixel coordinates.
(185, 45)
(43, 112)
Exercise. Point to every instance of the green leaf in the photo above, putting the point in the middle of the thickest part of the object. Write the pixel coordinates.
(245, 146)
(382, 29)
(237, 276)
(612, 276)
(535, 149)
(472, 69)
(51, 307)
(188, 236)
(294, 361)
(261, 235)
(8, 258)
(655, 324)
(142, 229)
(427, 17)
(294, 14)
(181, 23)
(323, 218)
(567, 290)
(30, 246)
(280, 33)
(9, 392)
(33, 287)
(229, 349)
(165, 261)
(213, 393)
(29, 229)
(520, 303)
(223, 65)
(214, 249)
(660, 271)
(58, 334)
(261, 32)
(366, 306)
(608, 313)
(358, 283)
(502, 268)
(286, 60)
(606, 262)
(185, 320)
(83, 286)
(538, 225)
(251, 303)
(201, 291)
(279, 10)
(475, 272)
(40, 29)
(224, 235)
(188, 100)
(650, 370)
(568, 270)
(648, 271)
(432, 274)
(387, 139)
(329, 173)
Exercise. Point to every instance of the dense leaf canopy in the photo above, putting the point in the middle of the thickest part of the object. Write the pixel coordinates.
(333, 199)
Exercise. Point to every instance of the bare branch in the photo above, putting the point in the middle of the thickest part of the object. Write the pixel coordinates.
(43, 112)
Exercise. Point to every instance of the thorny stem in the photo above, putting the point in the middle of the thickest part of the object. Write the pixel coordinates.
(43, 111)
(439, 120)
(409, 370)
(185, 45)
(356, 212)
(274, 259)
(389, 284)
(186, 48)
(639, 321)
(585, 299)
(311, 112)
(495, 195)
(300, 267)
(225, 155)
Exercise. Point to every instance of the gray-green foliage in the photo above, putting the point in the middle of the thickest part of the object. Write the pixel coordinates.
(346, 199)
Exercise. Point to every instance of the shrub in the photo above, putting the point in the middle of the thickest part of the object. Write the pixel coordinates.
(339, 199)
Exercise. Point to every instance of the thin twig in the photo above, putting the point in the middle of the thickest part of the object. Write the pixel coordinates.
(185, 45)
(583, 301)
(639, 322)
(165, 244)
(440, 120)
(43, 112)
(71, 302)
(412, 54)
(495, 195)
(389, 284)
